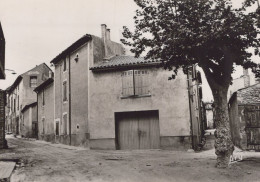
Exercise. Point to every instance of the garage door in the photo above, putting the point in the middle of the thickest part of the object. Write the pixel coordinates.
(138, 130)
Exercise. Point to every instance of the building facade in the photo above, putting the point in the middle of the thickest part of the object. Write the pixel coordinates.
(71, 85)
(21, 93)
(244, 113)
(246, 80)
(106, 100)
(2, 92)
(45, 103)
(29, 125)
(134, 106)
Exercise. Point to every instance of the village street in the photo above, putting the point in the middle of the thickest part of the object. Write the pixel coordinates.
(42, 161)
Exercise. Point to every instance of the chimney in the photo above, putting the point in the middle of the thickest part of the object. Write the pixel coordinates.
(108, 34)
(246, 78)
(103, 31)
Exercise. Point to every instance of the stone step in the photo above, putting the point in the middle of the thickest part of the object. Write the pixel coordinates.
(6, 169)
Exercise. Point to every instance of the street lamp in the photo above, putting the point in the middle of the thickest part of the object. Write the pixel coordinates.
(13, 72)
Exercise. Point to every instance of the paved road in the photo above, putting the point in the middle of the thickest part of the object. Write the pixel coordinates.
(42, 161)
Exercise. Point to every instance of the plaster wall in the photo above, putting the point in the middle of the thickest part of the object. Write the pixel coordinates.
(79, 96)
(46, 111)
(169, 97)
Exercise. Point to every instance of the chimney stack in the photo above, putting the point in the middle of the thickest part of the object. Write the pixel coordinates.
(246, 78)
(108, 34)
(103, 31)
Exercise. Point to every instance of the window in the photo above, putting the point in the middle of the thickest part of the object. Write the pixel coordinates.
(33, 81)
(18, 103)
(57, 131)
(14, 105)
(65, 116)
(43, 98)
(64, 64)
(65, 91)
(11, 104)
(43, 126)
(135, 82)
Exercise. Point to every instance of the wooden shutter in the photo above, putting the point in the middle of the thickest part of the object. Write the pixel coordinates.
(138, 82)
(57, 128)
(43, 125)
(127, 83)
(65, 91)
(141, 82)
(65, 124)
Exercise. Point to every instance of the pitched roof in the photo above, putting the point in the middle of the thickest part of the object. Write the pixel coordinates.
(13, 86)
(28, 106)
(20, 77)
(43, 85)
(122, 62)
(72, 47)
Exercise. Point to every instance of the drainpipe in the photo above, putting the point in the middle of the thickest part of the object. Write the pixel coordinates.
(37, 114)
(191, 128)
(69, 99)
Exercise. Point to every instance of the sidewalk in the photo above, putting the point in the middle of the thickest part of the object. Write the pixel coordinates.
(6, 169)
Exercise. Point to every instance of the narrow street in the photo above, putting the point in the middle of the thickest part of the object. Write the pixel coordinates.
(42, 161)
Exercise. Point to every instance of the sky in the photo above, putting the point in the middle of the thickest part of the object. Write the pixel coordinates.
(36, 31)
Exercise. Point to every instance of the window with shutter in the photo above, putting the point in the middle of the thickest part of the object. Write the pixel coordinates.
(135, 82)
(65, 124)
(57, 127)
(127, 83)
(33, 81)
(65, 91)
(43, 125)
(43, 98)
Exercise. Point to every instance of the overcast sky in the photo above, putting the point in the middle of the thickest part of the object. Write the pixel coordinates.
(36, 31)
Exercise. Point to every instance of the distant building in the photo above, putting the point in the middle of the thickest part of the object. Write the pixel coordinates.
(20, 94)
(209, 115)
(244, 113)
(246, 80)
(104, 99)
(45, 98)
(29, 125)
(2, 92)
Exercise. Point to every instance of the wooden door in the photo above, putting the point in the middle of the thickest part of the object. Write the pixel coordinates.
(128, 132)
(144, 132)
(252, 120)
(154, 131)
(138, 130)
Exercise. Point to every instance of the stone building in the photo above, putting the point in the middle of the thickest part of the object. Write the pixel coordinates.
(246, 80)
(29, 125)
(244, 112)
(45, 103)
(20, 94)
(209, 115)
(2, 92)
(134, 106)
(104, 99)
(71, 85)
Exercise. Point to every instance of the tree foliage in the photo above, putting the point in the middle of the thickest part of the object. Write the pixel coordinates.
(183, 32)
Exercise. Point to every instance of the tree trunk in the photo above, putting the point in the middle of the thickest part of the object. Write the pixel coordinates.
(223, 143)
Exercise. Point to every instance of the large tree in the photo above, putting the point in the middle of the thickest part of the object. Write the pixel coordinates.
(210, 33)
